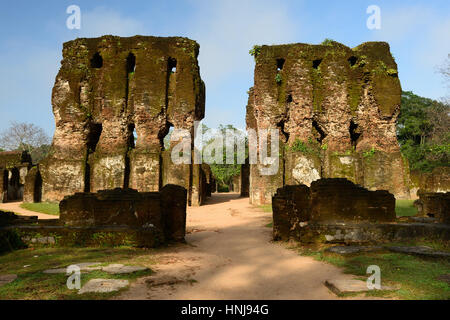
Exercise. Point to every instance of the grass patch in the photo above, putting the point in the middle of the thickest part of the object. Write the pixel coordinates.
(32, 283)
(42, 207)
(266, 207)
(416, 276)
(405, 208)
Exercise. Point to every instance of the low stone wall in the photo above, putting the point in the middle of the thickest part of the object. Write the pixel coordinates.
(435, 205)
(367, 232)
(162, 212)
(340, 199)
(327, 201)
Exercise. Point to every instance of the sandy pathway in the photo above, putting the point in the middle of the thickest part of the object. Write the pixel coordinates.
(15, 207)
(229, 256)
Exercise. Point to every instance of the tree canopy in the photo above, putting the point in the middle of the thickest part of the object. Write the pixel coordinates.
(23, 136)
(423, 132)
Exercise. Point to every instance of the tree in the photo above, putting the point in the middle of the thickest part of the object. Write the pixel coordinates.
(423, 132)
(25, 137)
(224, 173)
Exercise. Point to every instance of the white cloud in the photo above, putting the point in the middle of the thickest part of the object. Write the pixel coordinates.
(227, 30)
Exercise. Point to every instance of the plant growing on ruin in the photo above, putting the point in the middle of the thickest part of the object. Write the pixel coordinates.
(300, 146)
(327, 42)
(278, 78)
(369, 153)
(392, 72)
(255, 51)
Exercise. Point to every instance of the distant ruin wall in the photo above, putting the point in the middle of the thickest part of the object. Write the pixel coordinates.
(114, 100)
(336, 110)
(14, 167)
(437, 180)
(435, 205)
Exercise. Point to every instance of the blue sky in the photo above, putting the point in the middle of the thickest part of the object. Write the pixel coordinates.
(32, 34)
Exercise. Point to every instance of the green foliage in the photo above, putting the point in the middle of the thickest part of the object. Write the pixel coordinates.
(10, 240)
(307, 148)
(298, 146)
(222, 172)
(423, 132)
(416, 278)
(369, 153)
(405, 208)
(278, 78)
(327, 42)
(222, 188)
(255, 51)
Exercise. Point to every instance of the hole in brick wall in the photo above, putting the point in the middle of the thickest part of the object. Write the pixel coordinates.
(289, 98)
(97, 61)
(37, 195)
(132, 136)
(285, 135)
(280, 64)
(15, 189)
(5, 180)
(95, 130)
(352, 60)
(354, 135)
(172, 65)
(164, 137)
(316, 63)
(320, 133)
(131, 63)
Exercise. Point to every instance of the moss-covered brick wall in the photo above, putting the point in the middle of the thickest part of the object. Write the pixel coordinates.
(114, 100)
(336, 109)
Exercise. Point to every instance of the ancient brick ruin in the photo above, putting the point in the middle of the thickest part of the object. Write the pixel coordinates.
(328, 200)
(114, 100)
(162, 213)
(335, 109)
(14, 166)
(335, 210)
(434, 205)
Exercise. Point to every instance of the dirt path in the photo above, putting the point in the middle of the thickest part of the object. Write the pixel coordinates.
(15, 207)
(229, 255)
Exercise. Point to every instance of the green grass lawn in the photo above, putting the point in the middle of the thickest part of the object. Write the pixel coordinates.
(42, 207)
(266, 207)
(405, 208)
(416, 277)
(32, 283)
